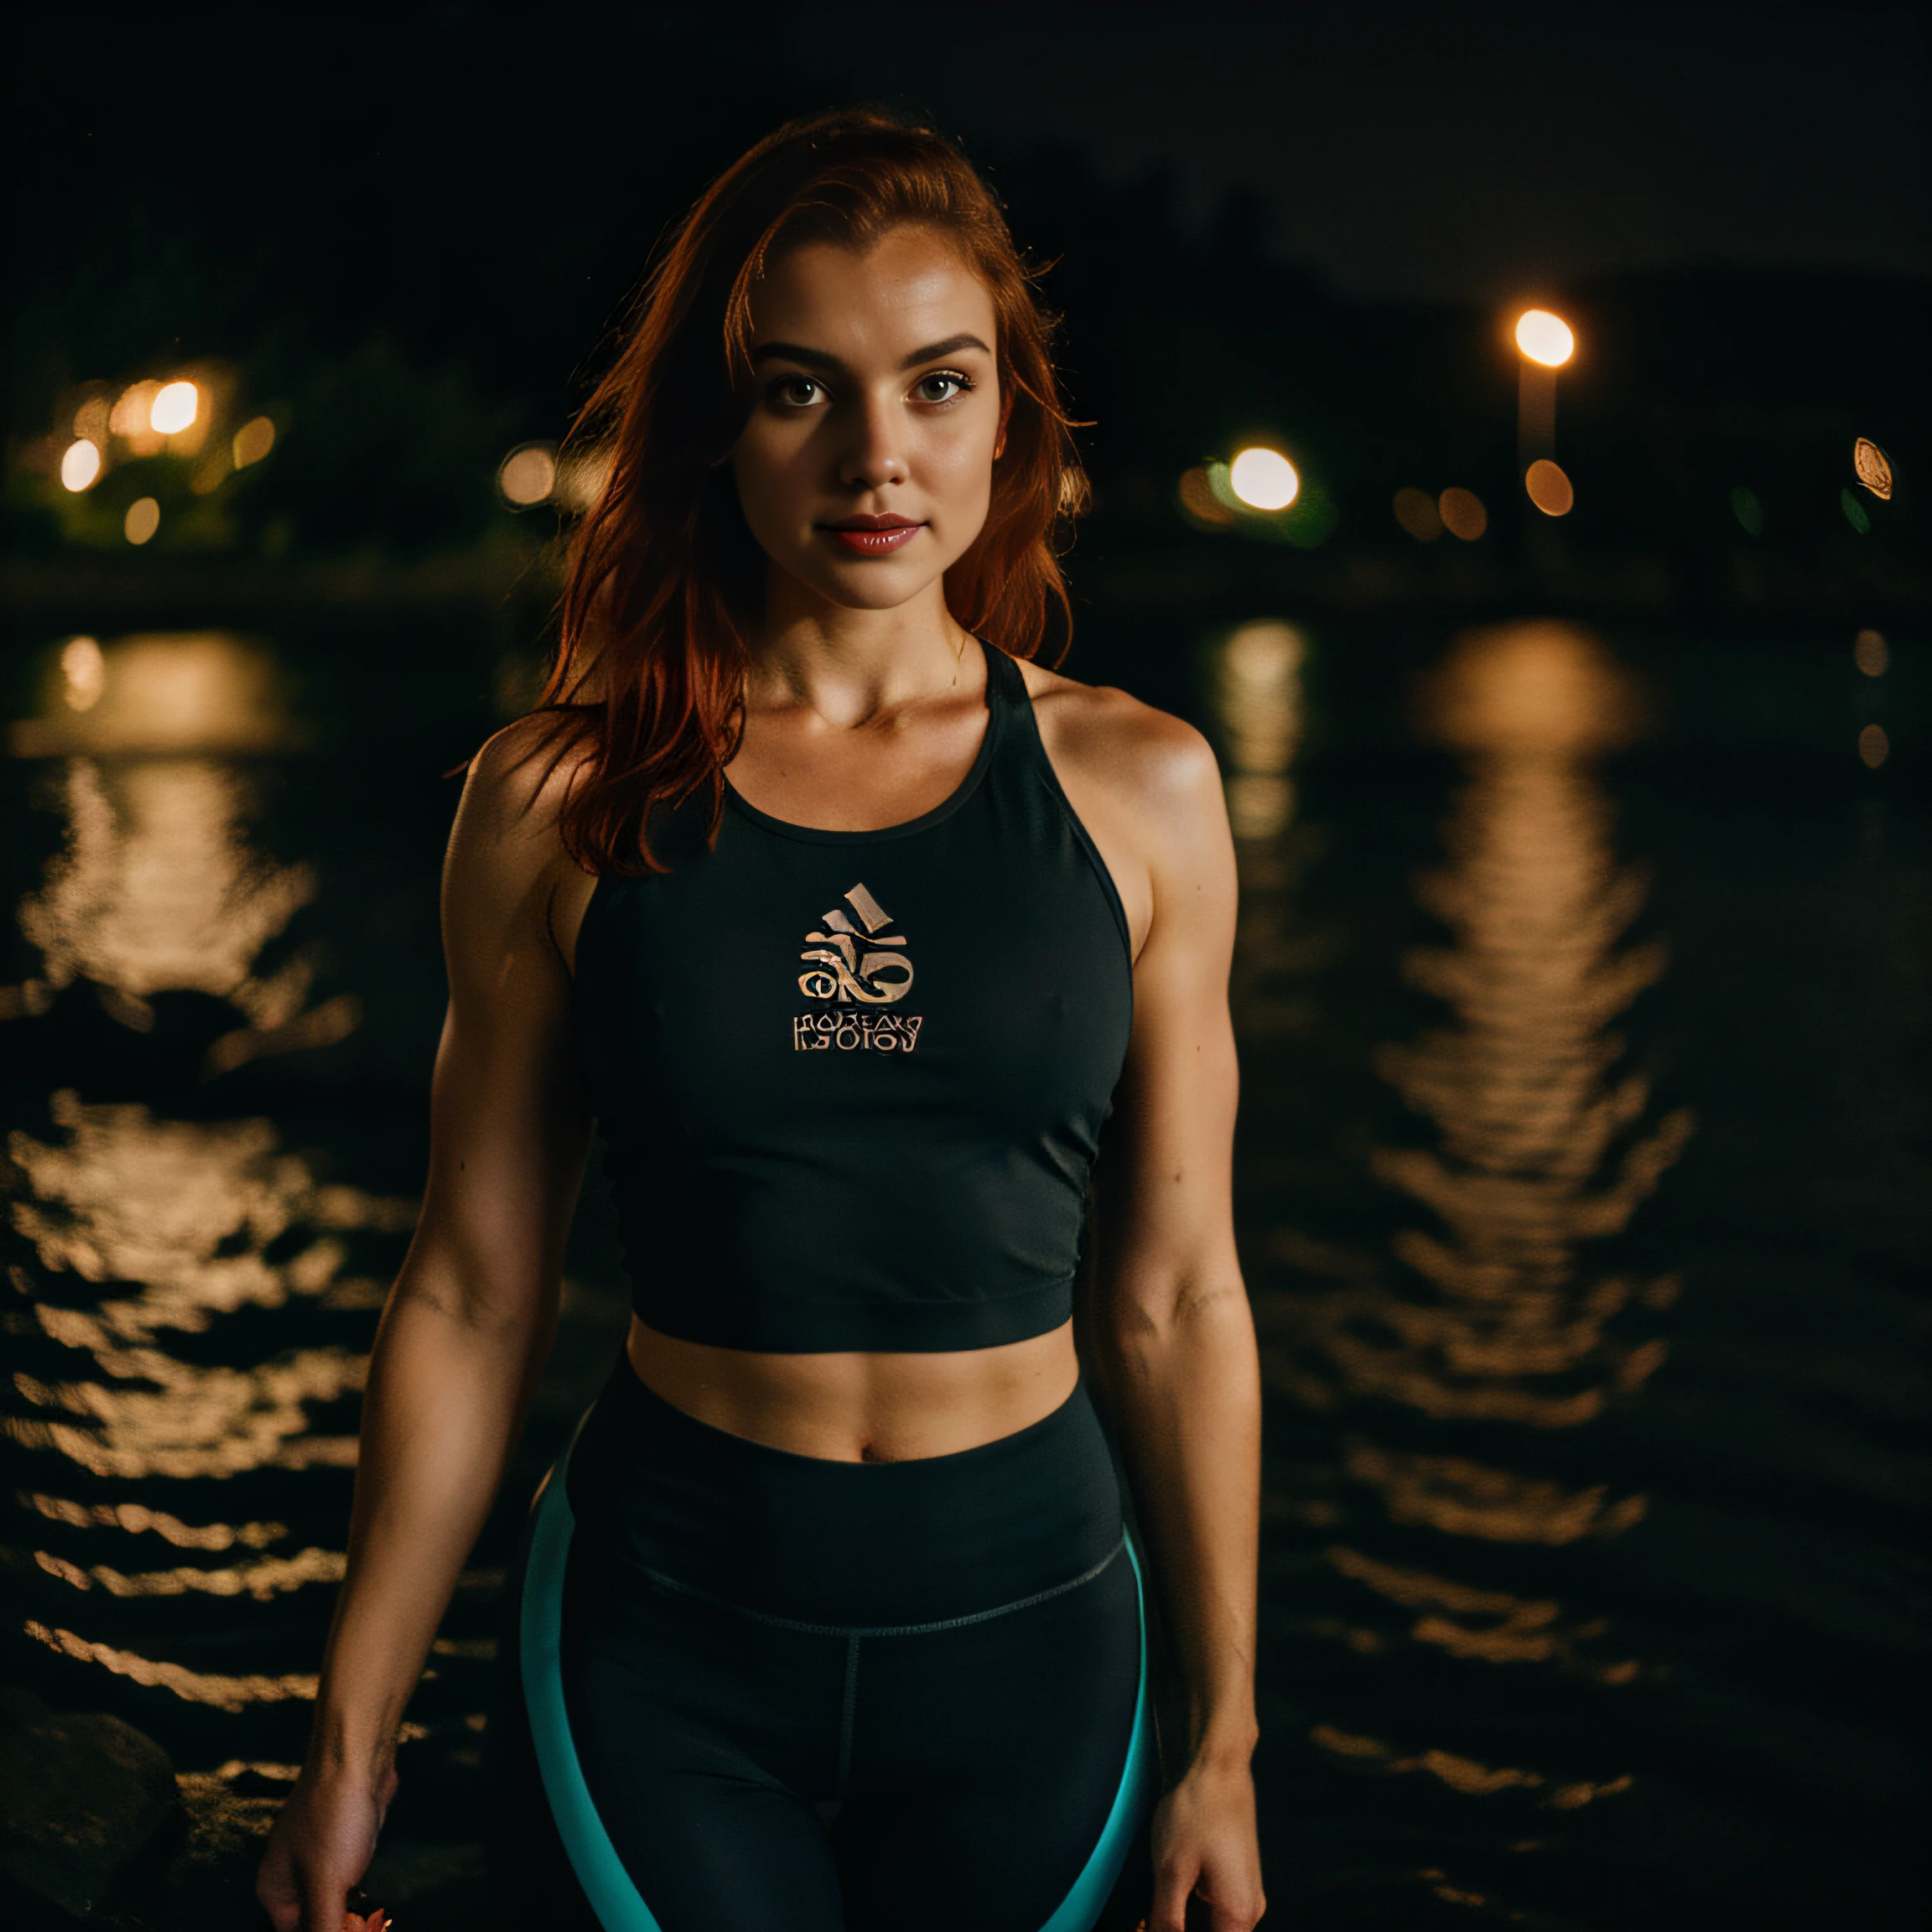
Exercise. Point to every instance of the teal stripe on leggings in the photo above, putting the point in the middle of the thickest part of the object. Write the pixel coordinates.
(600, 1871)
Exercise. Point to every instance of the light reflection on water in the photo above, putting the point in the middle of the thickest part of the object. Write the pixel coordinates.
(136, 1231)
(1257, 679)
(1479, 1577)
(1485, 1307)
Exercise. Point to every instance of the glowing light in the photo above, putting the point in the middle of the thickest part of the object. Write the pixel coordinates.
(1854, 512)
(192, 1686)
(253, 441)
(1748, 510)
(1530, 689)
(1416, 512)
(1871, 653)
(1263, 479)
(158, 892)
(528, 475)
(1544, 338)
(86, 671)
(91, 419)
(143, 520)
(1499, 1313)
(131, 419)
(173, 409)
(1258, 702)
(1462, 1498)
(263, 1580)
(136, 1517)
(80, 465)
(1874, 747)
(1873, 468)
(1549, 488)
(184, 692)
(1462, 514)
(1200, 505)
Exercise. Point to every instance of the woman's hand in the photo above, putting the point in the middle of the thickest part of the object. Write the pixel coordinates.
(321, 1846)
(1205, 1845)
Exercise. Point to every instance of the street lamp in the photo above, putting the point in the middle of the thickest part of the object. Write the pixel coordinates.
(1546, 344)
(1263, 479)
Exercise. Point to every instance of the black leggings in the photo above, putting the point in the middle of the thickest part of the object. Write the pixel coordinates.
(767, 1692)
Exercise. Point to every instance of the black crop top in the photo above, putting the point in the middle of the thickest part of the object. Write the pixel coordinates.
(851, 1083)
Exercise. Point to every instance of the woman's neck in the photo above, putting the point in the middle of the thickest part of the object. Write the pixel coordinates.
(853, 667)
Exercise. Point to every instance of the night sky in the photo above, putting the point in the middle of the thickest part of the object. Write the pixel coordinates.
(415, 226)
(1465, 151)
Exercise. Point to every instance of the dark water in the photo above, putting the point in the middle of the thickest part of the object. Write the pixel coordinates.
(1579, 987)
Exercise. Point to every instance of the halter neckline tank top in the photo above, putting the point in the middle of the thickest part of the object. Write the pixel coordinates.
(851, 1084)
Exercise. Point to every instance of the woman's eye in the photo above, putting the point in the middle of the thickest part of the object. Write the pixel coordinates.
(797, 392)
(942, 386)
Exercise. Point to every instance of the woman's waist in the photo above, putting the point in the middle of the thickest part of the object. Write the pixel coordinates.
(842, 1540)
(861, 1405)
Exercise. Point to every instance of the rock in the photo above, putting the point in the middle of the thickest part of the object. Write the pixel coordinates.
(210, 1883)
(82, 1800)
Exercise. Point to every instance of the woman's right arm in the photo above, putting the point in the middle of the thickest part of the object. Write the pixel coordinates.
(467, 1327)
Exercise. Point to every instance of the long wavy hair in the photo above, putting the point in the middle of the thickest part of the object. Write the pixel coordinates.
(664, 578)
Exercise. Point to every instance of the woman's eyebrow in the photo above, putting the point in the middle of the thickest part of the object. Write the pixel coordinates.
(819, 359)
(795, 352)
(951, 346)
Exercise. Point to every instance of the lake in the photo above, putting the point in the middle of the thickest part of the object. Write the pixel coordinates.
(1578, 983)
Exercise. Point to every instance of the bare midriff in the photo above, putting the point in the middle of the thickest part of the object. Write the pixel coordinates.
(859, 1407)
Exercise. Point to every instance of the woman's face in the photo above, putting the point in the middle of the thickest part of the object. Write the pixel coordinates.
(866, 467)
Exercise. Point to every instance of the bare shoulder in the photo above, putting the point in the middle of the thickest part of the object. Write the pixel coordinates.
(1155, 766)
(522, 775)
(505, 848)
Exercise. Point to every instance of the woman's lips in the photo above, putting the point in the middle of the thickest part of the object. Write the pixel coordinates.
(873, 543)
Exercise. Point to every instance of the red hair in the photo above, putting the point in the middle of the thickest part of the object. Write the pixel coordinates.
(664, 578)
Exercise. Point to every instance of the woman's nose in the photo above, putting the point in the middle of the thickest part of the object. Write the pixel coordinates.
(872, 457)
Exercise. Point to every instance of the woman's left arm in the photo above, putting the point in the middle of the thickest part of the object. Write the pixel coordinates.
(1172, 1337)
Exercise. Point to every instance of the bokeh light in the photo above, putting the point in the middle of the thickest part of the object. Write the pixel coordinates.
(131, 418)
(80, 465)
(1873, 745)
(1854, 512)
(1416, 512)
(1871, 653)
(157, 694)
(1532, 688)
(1548, 488)
(143, 520)
(1748, 510)
(213, 470)
(1263, 479)
(1199, 503)
(528, 475)
(1258, 701)
(1544, 338)
(85, 671)
(253, 441)
(1873, 468)
(173, 409)
(1462, 514)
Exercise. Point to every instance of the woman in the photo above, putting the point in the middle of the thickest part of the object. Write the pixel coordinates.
(851, 926)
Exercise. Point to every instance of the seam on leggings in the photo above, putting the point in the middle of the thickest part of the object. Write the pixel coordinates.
(878, 1630)
(845, 1716)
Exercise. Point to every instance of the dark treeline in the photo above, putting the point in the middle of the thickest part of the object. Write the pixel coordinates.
(410, 238)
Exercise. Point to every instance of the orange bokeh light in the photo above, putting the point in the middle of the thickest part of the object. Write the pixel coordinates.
(1544, 338)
